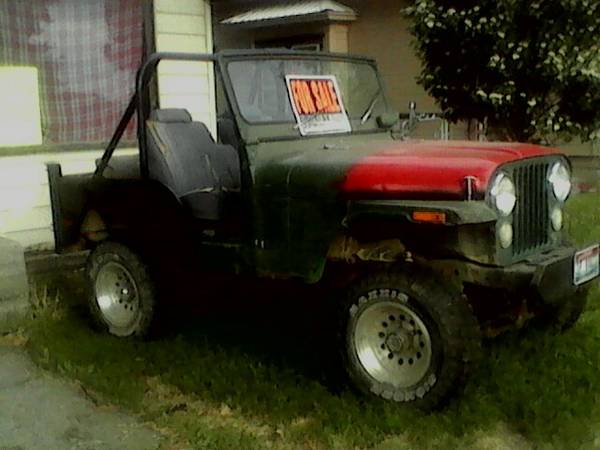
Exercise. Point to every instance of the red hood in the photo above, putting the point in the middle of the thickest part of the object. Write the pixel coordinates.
(426, 168)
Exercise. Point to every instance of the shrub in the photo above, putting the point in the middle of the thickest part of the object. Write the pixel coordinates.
(530, 70)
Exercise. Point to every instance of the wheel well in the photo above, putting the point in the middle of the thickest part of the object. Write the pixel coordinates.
(136, 214)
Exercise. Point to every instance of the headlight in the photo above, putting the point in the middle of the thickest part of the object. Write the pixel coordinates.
(556, 217)
(503, 194)
(560, 179)
(505, 233)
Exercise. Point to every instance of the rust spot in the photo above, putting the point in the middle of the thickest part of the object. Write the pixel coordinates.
(346, 248)
(93, 227)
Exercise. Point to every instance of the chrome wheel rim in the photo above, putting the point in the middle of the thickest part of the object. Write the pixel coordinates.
(117, 295)
(393, 343)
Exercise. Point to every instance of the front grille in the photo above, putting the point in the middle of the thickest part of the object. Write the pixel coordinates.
(530, 220)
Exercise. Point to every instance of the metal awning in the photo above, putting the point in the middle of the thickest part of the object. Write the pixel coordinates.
(293, 12)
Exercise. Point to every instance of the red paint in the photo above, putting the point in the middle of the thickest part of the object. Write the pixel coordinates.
(423, 168)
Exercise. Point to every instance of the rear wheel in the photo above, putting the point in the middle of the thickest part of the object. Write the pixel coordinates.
(407, 337)
(121, 294)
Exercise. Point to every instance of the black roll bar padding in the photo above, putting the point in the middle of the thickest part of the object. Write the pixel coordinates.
(118, 134)
(139, 103)
(54, 174)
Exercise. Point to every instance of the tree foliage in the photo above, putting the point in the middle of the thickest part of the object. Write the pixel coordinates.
(529, 69)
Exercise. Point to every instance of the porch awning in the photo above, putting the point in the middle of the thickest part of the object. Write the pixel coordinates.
(293, 12)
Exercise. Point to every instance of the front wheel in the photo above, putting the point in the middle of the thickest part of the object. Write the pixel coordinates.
(121, 294)
(407, 337)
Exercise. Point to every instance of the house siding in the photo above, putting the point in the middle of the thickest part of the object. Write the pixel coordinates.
(336, 38)
(185, 26)
(382, 32)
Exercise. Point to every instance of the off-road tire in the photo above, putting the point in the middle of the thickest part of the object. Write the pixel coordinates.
(116, 255)
(454, 334)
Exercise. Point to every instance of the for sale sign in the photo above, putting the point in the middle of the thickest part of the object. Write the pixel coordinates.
(317, 104)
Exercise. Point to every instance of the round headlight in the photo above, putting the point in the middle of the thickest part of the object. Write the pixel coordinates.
(503, 194)
(556, 217)
(560, 179)
(505, 233)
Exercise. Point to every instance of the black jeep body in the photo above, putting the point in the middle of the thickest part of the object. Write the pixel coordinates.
(442, 238)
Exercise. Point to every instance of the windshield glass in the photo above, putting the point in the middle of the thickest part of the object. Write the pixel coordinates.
(263, 96)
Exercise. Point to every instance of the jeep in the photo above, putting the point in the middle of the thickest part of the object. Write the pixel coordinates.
(436, 243)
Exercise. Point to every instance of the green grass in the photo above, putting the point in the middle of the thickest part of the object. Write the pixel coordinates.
(237, 380)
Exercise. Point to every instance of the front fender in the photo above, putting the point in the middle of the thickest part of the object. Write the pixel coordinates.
(381, 227)
(454, 212)
(456, 229)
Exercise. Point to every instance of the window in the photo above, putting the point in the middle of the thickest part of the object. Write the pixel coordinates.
(84, 56)
(305, 42)
(20, 113)
(314, 47)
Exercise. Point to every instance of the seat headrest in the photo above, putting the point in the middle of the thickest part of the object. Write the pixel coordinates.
(170, 115)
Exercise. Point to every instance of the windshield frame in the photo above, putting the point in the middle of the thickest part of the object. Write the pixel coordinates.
(285, 130)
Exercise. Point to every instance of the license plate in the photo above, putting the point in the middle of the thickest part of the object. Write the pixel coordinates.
(586, 264)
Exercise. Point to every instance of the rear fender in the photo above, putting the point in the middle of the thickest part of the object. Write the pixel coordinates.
(88, 209)
(68, 198)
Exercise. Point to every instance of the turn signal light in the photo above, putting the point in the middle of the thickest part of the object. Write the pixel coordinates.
(429, 217)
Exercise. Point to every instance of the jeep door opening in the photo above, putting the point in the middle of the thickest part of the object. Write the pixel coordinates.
(440, 241)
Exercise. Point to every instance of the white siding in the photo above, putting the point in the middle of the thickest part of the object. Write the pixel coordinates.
(25, 214)
(185, 26)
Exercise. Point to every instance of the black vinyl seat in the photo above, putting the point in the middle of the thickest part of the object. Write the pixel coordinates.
(183, 156)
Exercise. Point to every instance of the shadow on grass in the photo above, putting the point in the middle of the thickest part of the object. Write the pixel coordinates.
(269, 356)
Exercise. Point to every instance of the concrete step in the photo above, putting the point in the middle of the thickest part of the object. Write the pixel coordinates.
(14, 284)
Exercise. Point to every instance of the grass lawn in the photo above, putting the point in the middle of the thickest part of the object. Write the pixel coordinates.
(245, 379)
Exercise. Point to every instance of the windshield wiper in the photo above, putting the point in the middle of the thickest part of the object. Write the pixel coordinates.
(369, 110)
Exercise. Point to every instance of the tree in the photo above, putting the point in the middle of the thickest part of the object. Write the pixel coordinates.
(530, 70)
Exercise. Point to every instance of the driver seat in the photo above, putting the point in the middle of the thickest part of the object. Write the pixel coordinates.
(183, 156)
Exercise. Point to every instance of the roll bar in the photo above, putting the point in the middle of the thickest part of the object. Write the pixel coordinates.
(140, 103)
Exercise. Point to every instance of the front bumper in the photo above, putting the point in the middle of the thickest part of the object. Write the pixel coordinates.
(549, 274)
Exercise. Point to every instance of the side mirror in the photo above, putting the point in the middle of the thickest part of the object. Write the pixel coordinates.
(408, 124)
(412, 111)
(387, 120)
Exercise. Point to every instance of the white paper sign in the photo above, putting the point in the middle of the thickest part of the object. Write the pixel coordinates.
(317, 104)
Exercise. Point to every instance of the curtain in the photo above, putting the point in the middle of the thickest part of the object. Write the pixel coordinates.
(86, 52)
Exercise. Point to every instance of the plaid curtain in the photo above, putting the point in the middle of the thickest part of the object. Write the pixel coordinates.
(86, 52)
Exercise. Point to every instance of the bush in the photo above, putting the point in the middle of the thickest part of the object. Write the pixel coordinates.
(530, 70)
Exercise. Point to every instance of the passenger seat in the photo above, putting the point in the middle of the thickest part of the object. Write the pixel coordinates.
(183, 156)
